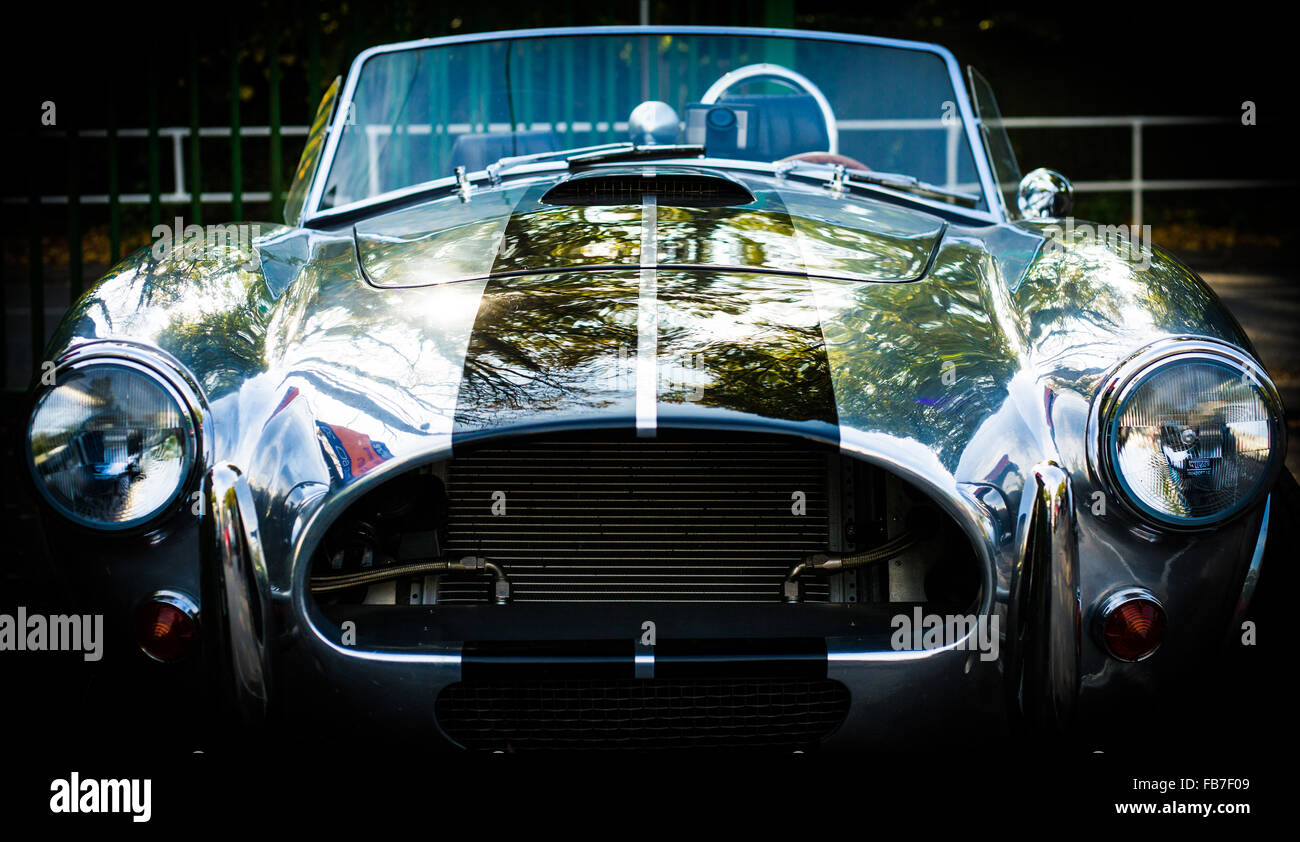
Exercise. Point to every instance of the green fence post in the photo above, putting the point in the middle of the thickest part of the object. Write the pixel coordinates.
(74, 212)
(593, 80)
(524, 104)
(277, 211)
(114, 199)
(354, 33)
(35, 268)
(155, 187)
(570, 107)
(438, 112)
(196, 172)
(611, 47)
(4, 321)
(236, 167)
(779, 13)
(313, 60)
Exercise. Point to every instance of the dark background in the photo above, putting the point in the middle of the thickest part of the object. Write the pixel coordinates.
(105, 64)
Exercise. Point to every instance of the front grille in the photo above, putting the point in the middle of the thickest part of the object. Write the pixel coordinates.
(639, 714)
(682, 191)
(639, 521)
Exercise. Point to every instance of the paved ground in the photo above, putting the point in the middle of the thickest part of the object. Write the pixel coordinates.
(1268, 307)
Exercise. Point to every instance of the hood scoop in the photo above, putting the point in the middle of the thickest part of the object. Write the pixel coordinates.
(675, 190)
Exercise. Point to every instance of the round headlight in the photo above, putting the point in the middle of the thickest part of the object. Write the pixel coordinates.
(111, 445)
(1192, 437)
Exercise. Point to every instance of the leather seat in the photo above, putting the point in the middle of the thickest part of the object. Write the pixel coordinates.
(788, 124)
(475, 151)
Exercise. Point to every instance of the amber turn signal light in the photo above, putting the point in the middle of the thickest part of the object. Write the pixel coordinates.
(1132, 624)
(167, 626)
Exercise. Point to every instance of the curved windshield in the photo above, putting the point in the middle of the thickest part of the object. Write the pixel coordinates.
(417, 114)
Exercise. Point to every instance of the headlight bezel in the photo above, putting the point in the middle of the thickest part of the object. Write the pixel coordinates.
(1122, 380)
(176, 382)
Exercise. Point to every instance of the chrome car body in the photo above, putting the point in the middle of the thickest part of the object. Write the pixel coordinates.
(948, 346)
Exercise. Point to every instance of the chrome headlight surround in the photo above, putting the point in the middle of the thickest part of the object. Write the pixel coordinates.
(175, 382)
(1122, 382)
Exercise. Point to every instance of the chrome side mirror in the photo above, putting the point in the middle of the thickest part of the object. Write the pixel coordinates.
(1045, 194)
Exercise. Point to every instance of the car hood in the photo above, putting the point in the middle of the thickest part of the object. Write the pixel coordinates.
(789, 228)
(766, 318)
(803, 309)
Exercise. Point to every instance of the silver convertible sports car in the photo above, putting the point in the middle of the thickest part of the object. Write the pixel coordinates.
(659, 387)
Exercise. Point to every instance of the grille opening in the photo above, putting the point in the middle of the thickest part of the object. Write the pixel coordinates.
(704, 519)
(681, 191)
(740, 713)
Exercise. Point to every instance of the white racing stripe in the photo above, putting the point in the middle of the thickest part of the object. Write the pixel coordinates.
(647, 323)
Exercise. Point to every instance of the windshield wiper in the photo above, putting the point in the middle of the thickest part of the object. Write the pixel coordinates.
(604, 153)
(894, 181)
(512, 160)
(638, 153)
(911, 184)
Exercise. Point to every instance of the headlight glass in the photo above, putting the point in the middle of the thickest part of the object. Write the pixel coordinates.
(1193, 440)
(111, 444)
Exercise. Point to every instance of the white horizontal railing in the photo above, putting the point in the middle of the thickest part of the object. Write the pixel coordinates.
(1136, 185)
(179, 194)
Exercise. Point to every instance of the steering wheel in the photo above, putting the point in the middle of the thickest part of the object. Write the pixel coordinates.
(790, 78)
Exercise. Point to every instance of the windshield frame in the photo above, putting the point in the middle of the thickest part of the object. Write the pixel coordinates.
(313, 213)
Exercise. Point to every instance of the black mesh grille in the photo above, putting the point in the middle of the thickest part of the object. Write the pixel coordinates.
(641, 714)
(639, 521)
(683, 191)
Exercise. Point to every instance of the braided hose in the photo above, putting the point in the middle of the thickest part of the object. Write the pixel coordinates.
(895, 546)
(471, 564)
(322, 584)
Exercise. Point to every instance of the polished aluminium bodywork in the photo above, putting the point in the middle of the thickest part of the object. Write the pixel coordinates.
(949, 346)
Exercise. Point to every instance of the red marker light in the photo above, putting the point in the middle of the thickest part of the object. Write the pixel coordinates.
(1132, 625)
(166, 626)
